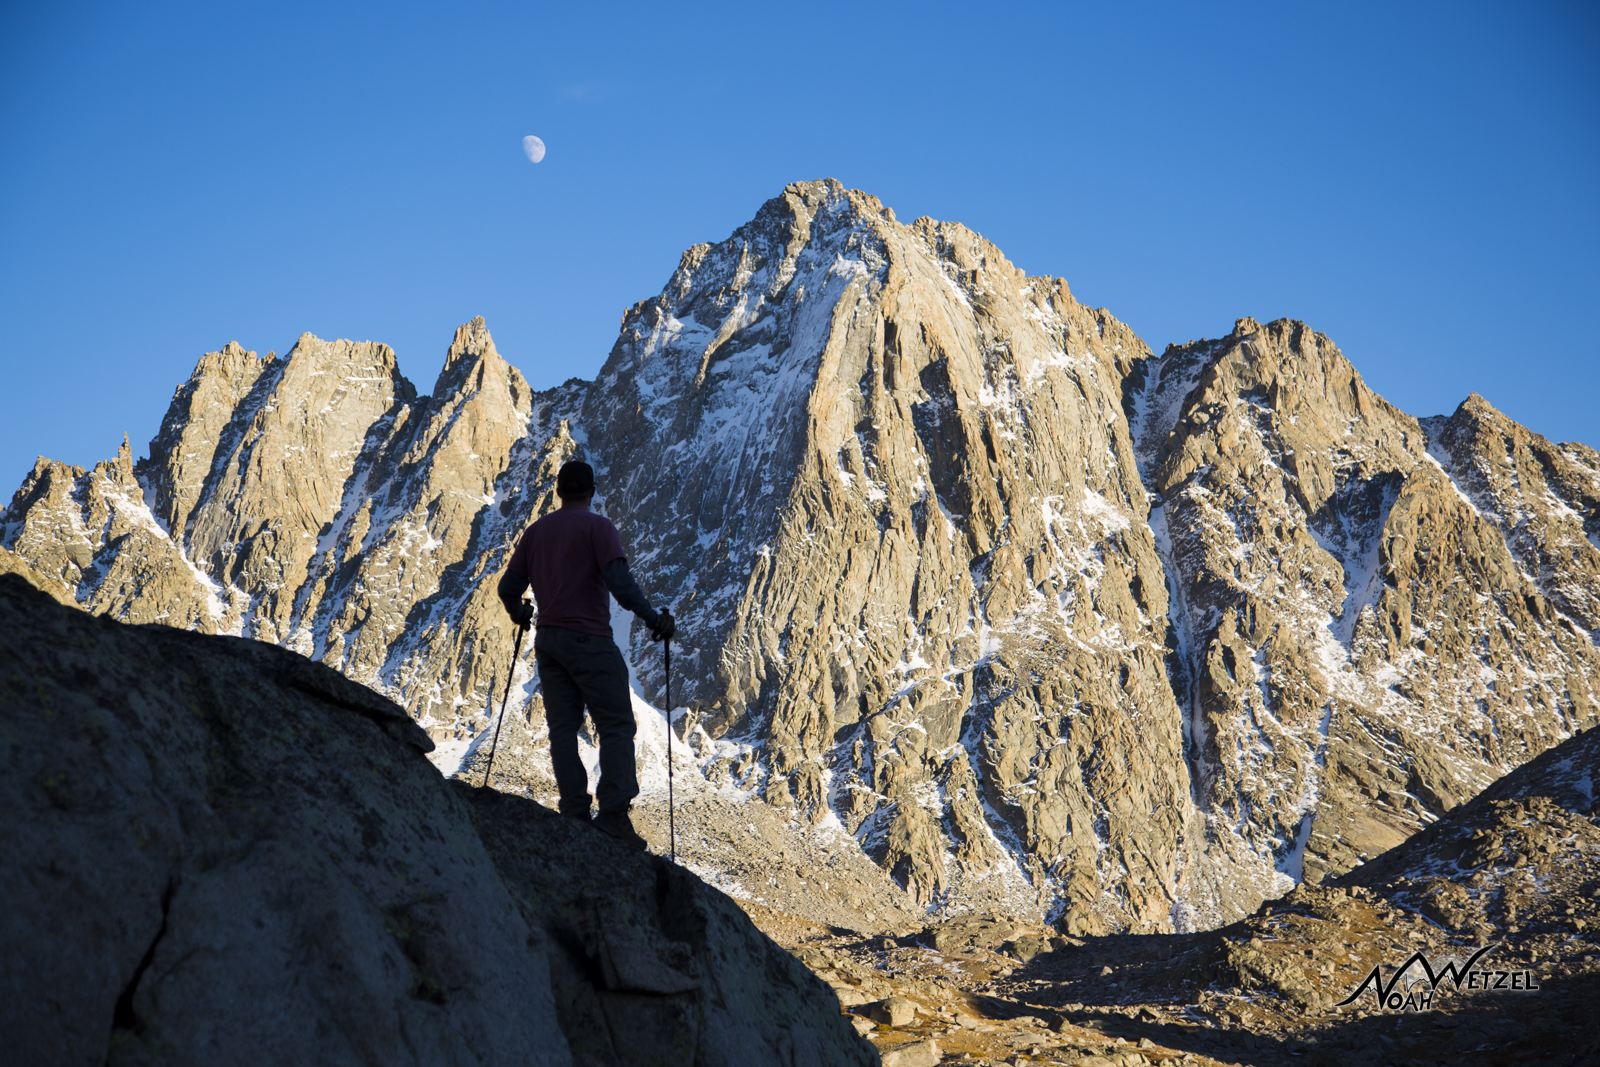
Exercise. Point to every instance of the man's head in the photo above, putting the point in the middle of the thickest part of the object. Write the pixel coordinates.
(575, 480)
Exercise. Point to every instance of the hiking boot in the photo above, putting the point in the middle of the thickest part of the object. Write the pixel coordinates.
(617, 824)
(575, 808)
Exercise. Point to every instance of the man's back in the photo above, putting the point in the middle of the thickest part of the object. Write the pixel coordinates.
(562, 556)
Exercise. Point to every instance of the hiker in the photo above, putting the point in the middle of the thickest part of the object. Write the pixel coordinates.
(571, 557)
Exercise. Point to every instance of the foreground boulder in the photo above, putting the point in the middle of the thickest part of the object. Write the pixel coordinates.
(219, 852)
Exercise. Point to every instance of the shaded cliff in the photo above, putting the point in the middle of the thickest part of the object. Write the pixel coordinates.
(218, 851)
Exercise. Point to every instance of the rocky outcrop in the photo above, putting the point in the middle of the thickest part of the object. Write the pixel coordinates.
(1520, 858)
(1046, 622)
(218, 851)
(87, 537)
(649, 966)
(1360, 646)
(11, 563)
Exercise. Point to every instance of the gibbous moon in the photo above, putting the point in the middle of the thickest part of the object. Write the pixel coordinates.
(533, 148)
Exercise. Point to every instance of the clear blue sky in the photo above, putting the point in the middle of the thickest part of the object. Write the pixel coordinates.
(1419, 181)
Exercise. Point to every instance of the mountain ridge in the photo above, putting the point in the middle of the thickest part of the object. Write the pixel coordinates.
(1039, 617)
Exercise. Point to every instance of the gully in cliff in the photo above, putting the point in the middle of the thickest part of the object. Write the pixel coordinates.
(571, 557)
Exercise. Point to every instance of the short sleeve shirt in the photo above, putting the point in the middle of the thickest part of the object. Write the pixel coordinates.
(561, 556)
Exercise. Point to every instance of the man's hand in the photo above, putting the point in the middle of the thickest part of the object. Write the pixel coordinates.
(662, 627)
(522, 614)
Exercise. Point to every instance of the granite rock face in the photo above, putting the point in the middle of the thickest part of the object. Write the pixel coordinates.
(1362, 646)
(650, 968)
(218, 851)
(891, 483)
(315, 501)
(1045, 621)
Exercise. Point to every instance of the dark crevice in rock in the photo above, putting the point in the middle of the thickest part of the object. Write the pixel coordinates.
(123, 1016)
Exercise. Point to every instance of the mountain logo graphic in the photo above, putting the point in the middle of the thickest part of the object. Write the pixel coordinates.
(1411, 986)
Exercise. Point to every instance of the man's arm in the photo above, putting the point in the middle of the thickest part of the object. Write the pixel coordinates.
(620, 581)
(512, 585)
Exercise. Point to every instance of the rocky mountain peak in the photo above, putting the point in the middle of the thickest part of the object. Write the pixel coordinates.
(1288, 391)
(471, 345)
(1543, 498)
(119, 470)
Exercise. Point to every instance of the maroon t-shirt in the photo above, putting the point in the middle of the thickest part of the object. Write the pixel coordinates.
(561, 556)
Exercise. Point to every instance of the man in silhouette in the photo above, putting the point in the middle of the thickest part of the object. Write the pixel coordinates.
(571, 557)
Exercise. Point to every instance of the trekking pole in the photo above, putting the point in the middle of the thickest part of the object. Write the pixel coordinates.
(516, 653)
(672, 826)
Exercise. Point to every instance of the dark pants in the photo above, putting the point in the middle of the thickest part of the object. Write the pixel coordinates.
(578, 669)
